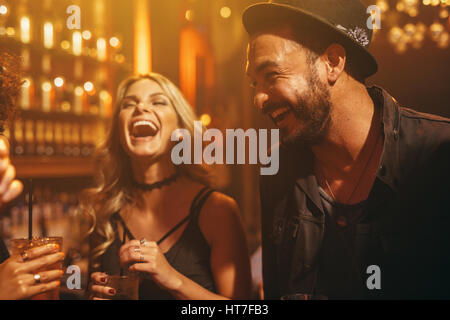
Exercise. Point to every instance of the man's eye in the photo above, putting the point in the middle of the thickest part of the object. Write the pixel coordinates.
(271, 75)
(128, 105)
(160, 102)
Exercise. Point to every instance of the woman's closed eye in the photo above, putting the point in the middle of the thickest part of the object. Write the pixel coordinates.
(129, 105)
(160, 102)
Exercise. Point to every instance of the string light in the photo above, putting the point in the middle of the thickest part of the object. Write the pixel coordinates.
(3, 10)
(87, 35)
(88, 86)
(225, 12)
(59, 82)
(205, 119)
(189, 15)
(114, 42)
(414, 34)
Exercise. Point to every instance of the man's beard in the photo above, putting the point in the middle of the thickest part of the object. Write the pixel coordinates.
(312, 111)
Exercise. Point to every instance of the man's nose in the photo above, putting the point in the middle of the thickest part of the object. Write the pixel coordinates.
(260, 99)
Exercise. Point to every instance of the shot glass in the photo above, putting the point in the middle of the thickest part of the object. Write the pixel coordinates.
(20, 245)
(127, 287)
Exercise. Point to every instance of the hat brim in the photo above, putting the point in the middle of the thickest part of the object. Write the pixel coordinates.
(258, 14)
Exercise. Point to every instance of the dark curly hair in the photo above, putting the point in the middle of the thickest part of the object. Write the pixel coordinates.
(10, 83)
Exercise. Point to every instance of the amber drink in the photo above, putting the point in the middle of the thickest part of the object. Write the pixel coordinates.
(20, 245)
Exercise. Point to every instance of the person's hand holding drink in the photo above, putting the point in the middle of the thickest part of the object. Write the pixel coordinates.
(114, 287)
(31, 272)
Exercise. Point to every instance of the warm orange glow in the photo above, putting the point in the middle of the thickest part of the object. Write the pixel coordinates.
(77, 43)
(114, 42)
(225, 12)
(3, 9)
(25, 33)
(87, 35)
(101, 49)
(205, 119)
(59, 82)
(193, 46)
(48, 35)
(142, 37)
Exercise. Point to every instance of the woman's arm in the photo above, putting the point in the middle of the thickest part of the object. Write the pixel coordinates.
(221, 224)
(230, 264)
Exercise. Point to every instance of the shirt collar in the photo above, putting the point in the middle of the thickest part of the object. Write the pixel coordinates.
(304, 160)
(390, 122)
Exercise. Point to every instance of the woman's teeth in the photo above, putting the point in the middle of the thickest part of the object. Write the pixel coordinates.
(144, 128)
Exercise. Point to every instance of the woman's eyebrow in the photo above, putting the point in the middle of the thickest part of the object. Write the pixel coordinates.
(133, 98)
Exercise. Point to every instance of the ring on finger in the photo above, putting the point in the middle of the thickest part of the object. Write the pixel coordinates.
(137, 249)
(37, 278)
(141, 258)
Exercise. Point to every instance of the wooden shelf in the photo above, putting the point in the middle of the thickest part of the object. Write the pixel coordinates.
(54, 167)
(60, 116)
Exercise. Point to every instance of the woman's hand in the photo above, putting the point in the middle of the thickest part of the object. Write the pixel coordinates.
(99, 290)
(20, 279)
(144, 256)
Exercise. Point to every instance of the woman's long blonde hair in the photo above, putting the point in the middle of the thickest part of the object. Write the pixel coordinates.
(114, 182)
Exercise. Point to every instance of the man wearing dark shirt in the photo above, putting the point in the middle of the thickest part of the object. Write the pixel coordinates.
(359, 207)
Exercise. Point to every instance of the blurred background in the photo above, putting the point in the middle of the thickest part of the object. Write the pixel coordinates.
(76, 52)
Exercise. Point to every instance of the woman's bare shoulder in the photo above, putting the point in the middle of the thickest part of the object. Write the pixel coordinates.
(220, 217)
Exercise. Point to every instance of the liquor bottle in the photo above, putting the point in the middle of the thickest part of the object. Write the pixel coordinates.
(47, 95)
(76, 140)
(49, 139)
(105, 102)
(78, 100)
(29, 138)
(26, 93)
(67, 138)
(18, 138)
(86, 138)
(40, 137)
(59, 138)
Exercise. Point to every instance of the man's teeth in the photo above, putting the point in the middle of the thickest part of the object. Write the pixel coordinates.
(145, 123)
(279, 112)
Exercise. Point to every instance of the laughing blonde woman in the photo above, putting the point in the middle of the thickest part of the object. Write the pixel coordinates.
(160, 220)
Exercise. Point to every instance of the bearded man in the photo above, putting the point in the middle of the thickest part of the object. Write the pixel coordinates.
(359, 208)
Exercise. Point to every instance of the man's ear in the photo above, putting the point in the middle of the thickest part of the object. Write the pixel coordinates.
(335, 58)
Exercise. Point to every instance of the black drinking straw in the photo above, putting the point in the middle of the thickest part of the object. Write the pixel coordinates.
(123, 242)
(30, 209)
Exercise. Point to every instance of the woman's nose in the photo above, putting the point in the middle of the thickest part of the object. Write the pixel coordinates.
(141, 108)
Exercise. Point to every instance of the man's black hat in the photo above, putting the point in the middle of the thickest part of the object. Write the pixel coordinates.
(346, 19)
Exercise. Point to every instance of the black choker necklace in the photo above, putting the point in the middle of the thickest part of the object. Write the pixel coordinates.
(158, 184)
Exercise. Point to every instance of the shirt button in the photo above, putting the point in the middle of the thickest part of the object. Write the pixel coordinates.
(396, 134)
